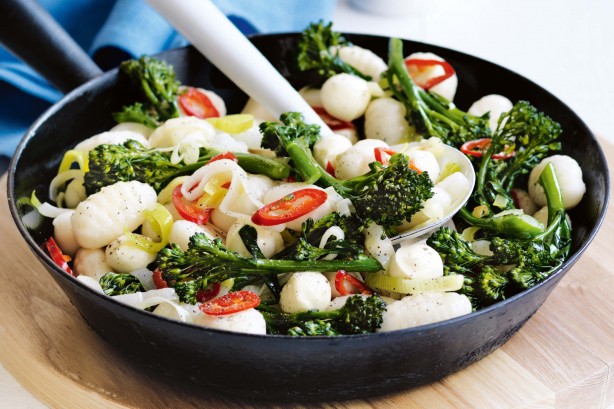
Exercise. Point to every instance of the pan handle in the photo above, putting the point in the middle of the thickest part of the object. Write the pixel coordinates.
(33, 35)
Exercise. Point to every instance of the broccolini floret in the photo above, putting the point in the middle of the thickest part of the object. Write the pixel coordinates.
(109, 164)
(117, 284)
(209, 261)
(357, 316)
(314, 328)
(530, 135)
(386, 195)
(306, 245)
(527, 261)
(318, 51)
(431, 114)
(155, 79)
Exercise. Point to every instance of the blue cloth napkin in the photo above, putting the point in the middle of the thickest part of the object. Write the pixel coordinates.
(114, 30)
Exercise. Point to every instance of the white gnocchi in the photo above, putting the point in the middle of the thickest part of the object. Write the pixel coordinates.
(183, 230)
(305, 291)
(364, 60)
(345, 96)
(104, 216)
(416, 261)
(123, 256)
(495, 105)
(269, 241)
(63, 233)
(424, 308)
(91, 263)
(569, 175)
(248, 322)
(385, 120)
(329, 147)
(355, 160)
(133, 127)
(177, 130)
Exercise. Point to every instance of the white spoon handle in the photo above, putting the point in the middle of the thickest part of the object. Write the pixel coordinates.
(208, 29)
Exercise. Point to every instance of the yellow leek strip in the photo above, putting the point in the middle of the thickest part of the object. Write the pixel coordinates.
(453, 282)
(73, 156)
(161, 222)
(214, 193)
(34, 200)
(469, 233)
(233, 124)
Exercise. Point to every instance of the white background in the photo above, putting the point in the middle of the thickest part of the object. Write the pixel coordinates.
(566, 46)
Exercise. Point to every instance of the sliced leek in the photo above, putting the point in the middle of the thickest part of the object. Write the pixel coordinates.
(46, 209)
(469, 233)
(71, 157)
(214, 193)
(233, 124)
(161, 221)
(61, 179)
(452, 282)
(450, 168)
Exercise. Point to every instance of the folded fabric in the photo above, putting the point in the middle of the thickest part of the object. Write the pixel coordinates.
(114, 30)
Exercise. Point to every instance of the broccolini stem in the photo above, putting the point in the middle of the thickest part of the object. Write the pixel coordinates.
(151, 96)
(396, 67)
(267, 266)
(552, 190)
(307, 167)
(447, 110)
(272, 168)
(559, 233)
(249, 162)
(519, 226)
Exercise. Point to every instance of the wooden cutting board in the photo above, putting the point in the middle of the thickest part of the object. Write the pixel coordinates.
(563, 357)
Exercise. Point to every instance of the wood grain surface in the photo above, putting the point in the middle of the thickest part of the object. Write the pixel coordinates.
(563, 357)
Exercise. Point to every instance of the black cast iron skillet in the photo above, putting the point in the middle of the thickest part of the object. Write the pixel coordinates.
(279, 367)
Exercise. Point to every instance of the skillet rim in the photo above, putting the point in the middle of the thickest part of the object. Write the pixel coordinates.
(112, 74)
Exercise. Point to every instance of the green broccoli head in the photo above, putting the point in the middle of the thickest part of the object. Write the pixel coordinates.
(313, 328)
(117, 284)
(359, 315)
(109, 164)
(188, 290)
(388, 195)
(157, 83)
(140, 114)
(318, 52)
(453, 249)
(492, 284)
(292, 130)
